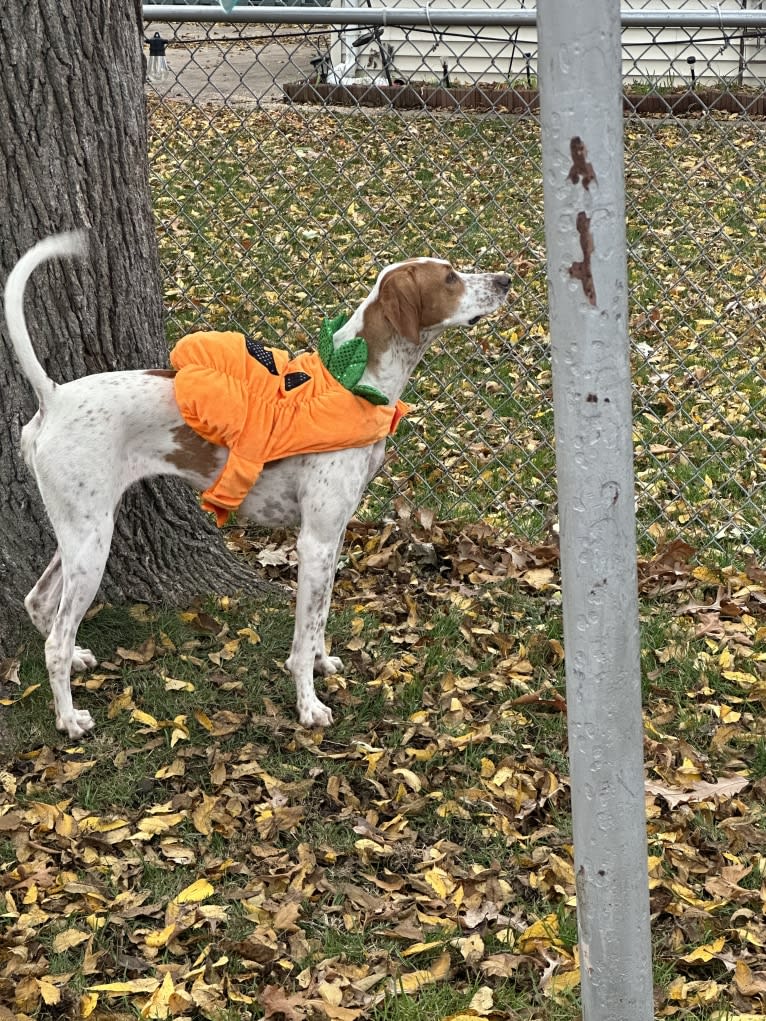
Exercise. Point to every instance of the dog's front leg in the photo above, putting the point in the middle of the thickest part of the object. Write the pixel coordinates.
(323, 663)
(317, 549)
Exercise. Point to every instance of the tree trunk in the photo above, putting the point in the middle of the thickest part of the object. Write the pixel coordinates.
(73, 145)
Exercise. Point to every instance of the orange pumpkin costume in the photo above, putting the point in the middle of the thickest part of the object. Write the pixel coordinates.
(264, 405)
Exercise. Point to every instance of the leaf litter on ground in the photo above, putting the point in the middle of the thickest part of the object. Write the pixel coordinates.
(421, 847)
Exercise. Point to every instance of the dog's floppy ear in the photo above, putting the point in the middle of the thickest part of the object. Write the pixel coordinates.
(400, 302)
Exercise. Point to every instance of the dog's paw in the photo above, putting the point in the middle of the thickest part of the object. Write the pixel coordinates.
(77, 723)
(83, 659)
(324, 664)
(315, 714)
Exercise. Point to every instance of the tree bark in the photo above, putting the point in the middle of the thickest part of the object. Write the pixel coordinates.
(73, 145)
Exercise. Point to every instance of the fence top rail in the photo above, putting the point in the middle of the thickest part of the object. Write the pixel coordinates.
(434, 16)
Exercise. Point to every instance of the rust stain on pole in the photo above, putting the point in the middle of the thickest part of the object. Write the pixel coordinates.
(582, 270)
(580, 169)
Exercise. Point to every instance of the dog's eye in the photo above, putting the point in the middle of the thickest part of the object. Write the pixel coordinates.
(451, 277)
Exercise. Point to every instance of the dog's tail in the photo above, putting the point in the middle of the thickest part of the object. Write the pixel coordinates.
(57, 246)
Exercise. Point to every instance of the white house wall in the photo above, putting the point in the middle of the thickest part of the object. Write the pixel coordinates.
(651, 56)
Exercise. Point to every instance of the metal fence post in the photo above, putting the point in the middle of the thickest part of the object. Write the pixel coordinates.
(582, 133)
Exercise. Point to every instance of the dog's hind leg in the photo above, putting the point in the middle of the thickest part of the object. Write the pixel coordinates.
(43, 602)
(83, 551)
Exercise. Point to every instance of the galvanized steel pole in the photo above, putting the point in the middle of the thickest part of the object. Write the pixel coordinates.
(582, 133)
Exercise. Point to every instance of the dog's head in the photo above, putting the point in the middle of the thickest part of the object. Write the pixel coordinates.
(419, 298)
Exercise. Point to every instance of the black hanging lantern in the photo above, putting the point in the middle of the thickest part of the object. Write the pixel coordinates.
(157, 69)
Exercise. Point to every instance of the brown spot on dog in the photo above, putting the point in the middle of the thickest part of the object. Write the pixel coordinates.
(412, 298)
(193, 454)
(164, 373)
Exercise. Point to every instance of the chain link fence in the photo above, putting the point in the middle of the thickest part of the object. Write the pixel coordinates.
(295, 152)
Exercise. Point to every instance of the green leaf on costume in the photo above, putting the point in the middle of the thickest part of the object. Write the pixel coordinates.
(329, 328)
(349, 361)
(369, 393)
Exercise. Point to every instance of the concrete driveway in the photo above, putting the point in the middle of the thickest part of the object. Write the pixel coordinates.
(233, 63)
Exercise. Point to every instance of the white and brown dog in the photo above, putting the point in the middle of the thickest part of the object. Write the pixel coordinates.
(91, 438)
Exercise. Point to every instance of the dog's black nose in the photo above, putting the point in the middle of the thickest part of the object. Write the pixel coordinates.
(502, 281)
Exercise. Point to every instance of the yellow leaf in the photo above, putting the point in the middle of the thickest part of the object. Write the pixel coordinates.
(440, 882)
(561, 983)
(461, 1017)
(25, 694)
(174, 684)
(482, 1001)
(136, 985)
(67, 939)
(471, 948)
(176, 768)
(88, 1003)
(148, 720)
(8, 782)
(252, 636)
(46, 814)
(95, 824)
(539, 578)
(66, 826)
(143, 654)
(415, 980)
(140, 611)
(201, 889)
(687, 894)
(180, 731)
(701, 955)
(747, 983)
(203, 719)
(161, 938)
(51, 994)
(412, 780)
(158, 1005)
(161, 823)
(202, 815)
(691, 993)
(740, 677)
(726, 1015)
(542, 933)
(119, 704)
(368, 848)
(689, 770)
(419, 948)
(705, 574)
(330, 993)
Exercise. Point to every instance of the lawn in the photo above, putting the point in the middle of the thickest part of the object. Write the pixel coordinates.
(202, 856)
(269, 220)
